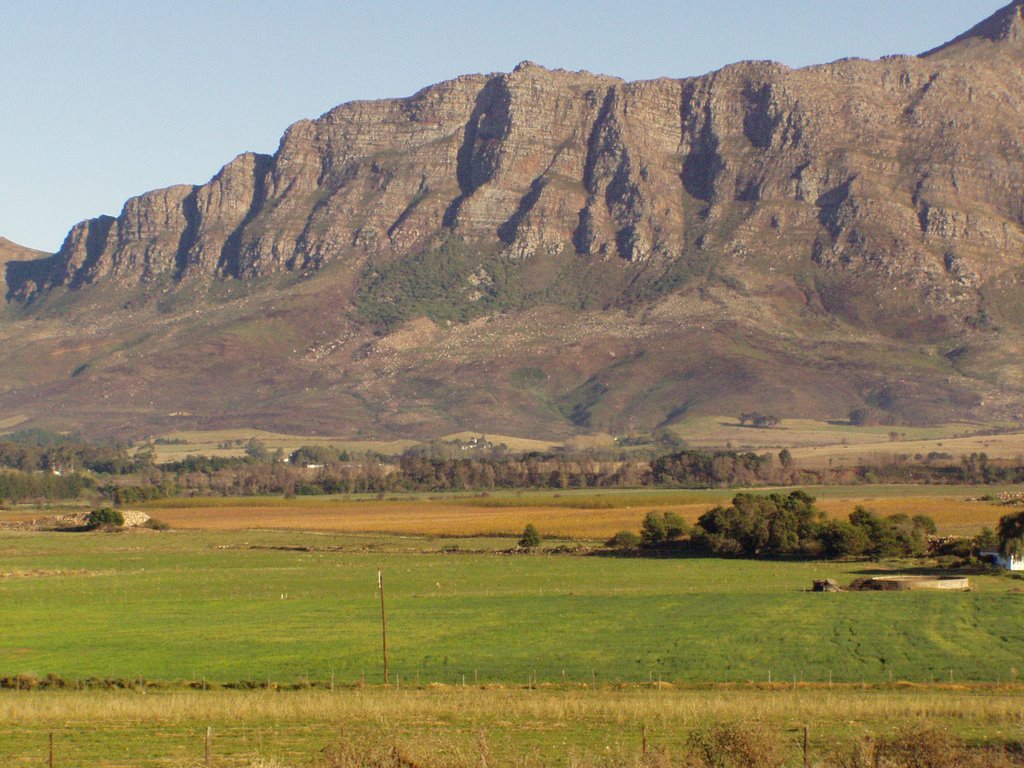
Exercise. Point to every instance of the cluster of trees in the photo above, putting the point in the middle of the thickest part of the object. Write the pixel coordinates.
(714, 469)
(17, 485)
(866, 533)
(760, 420)
(759, 525)
(779, 525)
(39, 451)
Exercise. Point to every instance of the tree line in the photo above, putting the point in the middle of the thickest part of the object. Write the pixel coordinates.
(126, 475)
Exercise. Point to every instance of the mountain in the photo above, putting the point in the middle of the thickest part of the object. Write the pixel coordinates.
(10, 251)
(546, 252)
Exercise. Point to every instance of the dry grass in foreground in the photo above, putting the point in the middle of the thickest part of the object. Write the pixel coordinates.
(449, 727)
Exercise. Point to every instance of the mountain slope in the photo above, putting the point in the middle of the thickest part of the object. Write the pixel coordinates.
(545, 251)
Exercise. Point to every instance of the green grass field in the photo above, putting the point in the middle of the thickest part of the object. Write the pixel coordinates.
(527, 655)
(230, 607)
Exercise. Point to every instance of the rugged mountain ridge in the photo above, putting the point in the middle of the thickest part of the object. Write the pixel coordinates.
(887, 196)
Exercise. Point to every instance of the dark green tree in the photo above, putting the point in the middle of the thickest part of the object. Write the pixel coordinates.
(842, 539)
(1011, 534)
(652, 530)
(675, 526)
(530, 538)
(859, 417)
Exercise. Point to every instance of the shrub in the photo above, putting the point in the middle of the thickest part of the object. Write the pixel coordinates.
(530, 538)
(986, 540)
(104, 516)
(156, 525)
(925, 747)
(737, 746)
(675, 526)
(652, 530)
(624, 540)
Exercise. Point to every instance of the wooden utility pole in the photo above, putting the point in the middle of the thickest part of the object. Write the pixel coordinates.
(383, 624)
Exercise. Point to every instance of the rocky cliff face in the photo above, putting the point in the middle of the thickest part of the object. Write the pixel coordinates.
(905, 169)
(885, 194)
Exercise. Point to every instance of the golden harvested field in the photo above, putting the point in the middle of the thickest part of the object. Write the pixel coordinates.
(417, 517)
(466, 517)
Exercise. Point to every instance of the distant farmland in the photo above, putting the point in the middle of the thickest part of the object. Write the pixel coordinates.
(571, 514)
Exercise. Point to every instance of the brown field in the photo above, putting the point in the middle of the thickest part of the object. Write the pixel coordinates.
(204, 443)
(814, 443)
(954, 515)
(1009, 447)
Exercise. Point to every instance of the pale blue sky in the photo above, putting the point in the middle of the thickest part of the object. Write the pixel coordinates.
(104, 99)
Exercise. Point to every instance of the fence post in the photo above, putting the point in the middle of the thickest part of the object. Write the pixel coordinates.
(807, 746)
(51, 749)
(209, 746)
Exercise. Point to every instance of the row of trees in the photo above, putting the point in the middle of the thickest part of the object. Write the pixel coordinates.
(43, 485)
(125, 477)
